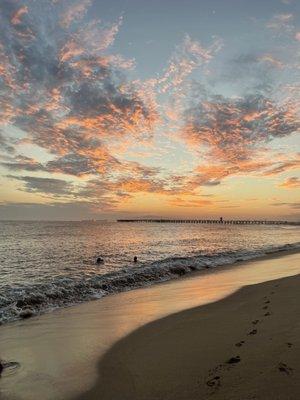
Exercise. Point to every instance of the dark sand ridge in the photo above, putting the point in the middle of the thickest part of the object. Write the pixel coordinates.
(58, 353)
(246, 346)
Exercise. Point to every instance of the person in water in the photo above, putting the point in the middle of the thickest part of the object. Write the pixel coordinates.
(135, 258)
(99, 260)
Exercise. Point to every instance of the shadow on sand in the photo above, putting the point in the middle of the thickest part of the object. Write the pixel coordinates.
(194, 354)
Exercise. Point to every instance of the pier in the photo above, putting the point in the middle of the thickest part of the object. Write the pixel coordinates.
(211, 221)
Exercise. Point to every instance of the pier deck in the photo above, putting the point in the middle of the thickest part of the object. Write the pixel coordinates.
(212, 221)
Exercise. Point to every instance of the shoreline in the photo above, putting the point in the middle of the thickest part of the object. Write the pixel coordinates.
(246, 346)
(59, 352)
(181, 273)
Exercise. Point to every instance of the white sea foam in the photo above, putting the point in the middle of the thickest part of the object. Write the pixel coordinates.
(29, 299)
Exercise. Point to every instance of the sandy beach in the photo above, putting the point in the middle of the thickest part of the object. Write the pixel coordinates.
(149, 200)
(228, 333)
(243, 347)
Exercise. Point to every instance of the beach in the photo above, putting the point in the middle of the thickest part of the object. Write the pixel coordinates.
(243, 347)
(171, 340)
(149, 201)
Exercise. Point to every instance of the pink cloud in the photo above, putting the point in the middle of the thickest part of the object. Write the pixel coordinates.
(17, 16)
(75, 12)
(188, 56)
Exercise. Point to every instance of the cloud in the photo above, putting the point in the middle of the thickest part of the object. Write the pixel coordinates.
(107, 190)
(124, 187)
(233, 129)
(52, 186)
(277, 167)
(281, 23)
(213, 173)
(252, 71)
(78, 164)
(188, 56)
(5, 144)
(75, 210)
(293, 205)
(17, 15)
(231, 135)
(74, 13)
(22, 163)
(189, 203)
(291, 183)
(61, 86)
(271, 60)
(261, 61)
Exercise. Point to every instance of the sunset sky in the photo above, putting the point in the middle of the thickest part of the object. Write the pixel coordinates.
(126, 108)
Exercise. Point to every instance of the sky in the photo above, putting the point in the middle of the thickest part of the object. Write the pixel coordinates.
(133, 108)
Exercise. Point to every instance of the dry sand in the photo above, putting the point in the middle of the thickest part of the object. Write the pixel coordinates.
(243, 347)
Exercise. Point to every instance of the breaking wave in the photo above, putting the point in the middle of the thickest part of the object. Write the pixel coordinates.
(25, 301)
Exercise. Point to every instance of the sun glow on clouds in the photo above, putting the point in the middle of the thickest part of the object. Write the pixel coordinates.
(95, 135)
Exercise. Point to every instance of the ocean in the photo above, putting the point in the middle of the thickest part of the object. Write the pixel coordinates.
(46, 265)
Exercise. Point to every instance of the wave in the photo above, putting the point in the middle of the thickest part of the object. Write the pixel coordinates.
(26, 301)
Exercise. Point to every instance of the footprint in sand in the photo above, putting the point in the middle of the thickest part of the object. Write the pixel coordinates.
(256, 321)
(214, 382)
(239, 344)
(8, 367)
(284, 368)
(265, 307)
(289, 344)
(253, 332)
(213, 371)
(267, 314)
(231, 360)
(234, 360)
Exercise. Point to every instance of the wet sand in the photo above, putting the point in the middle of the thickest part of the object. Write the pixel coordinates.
(243, 347)
(97, 351)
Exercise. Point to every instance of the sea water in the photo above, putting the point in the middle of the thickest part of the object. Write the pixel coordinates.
(45, 265)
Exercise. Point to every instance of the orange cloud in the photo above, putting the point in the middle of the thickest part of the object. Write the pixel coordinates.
(189, 203)
(291, 183)
(233, 130)
(283, 165)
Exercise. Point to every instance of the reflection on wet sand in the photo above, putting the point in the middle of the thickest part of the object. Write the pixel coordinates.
(59, 352)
